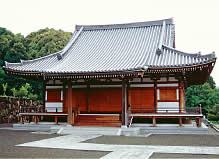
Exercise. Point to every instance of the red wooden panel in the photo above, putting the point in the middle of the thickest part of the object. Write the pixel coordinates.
(65, 105)
(141, 99)
(105, 100)
(79, 98)
(168, 94)
(53, 95)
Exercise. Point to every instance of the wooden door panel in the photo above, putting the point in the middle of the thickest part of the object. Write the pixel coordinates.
(141, 99)
(53, 95)
(105, 100)
(79, 98)
(168, 94)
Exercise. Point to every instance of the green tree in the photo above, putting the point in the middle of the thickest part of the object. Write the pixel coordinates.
(22, 92)
(45, 41)
(14, 47)
(211, 82)
(205, 95)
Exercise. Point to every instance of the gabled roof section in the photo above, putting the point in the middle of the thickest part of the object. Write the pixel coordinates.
(115, 48)
(171, 57)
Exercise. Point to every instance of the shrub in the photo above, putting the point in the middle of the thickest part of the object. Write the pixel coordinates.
(22, 92)
(212, 117)
(32, 96)
(14, 92)
(5, 86)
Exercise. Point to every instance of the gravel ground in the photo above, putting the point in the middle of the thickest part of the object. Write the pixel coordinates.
(186, 156)
(9, 138)
(170, 140)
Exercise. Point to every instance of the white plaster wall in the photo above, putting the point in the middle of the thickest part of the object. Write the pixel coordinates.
(105, 86)
(164, 79)
(168, 85)
(51, 106)
(54, 87)
(147, 80)
(144, 80)
(141, 85)
(171, 107)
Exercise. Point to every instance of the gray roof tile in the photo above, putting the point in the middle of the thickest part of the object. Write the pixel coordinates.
(112, 48)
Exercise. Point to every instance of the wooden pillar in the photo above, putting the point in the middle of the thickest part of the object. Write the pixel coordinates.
(73, 118)
(70, 103)
(180, 100)
(128, 96)
(198, 121)
(87, 98)
(64, 97)
(44, 96)
(56, 120)
(154, 121)
(35, 119)
(124, 103)
(180, 121)
(22, 119)
(155, 96)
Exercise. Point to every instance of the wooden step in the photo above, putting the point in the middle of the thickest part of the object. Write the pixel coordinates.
(99, 124)
(98, 120)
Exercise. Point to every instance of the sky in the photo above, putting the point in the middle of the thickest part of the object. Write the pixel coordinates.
(196, 21)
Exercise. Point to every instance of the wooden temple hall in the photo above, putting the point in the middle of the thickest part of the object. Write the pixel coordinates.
(107, 75)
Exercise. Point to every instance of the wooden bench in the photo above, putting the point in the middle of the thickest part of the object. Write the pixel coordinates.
(37, 115)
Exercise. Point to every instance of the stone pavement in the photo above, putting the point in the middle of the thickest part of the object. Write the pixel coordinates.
(117, 151)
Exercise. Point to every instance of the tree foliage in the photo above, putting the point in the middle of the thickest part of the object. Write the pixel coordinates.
(4, 86)
(14, 47)
(206, 95)
(45, 41)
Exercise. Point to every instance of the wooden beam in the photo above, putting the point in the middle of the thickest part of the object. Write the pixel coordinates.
(87, 98)
(154, 121)
(56, 120)
(44, 96)
(155, 96)
(198, 121)
(35, 119)
(128, 95)
(180, 100)
(124, 103)
(70, 103)
(64, 97)
(180, 121)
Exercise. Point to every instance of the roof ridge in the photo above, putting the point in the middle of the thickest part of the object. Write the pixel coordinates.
(124, 25)
(212, 55)
(70, 43)
(160, 48)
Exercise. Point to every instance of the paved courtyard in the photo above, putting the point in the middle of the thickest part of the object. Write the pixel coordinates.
(10, 138)
(25, 144)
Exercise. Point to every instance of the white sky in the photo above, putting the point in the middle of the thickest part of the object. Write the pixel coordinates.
(196, 21)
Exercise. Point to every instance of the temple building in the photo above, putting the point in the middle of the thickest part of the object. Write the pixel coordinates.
(107, 75)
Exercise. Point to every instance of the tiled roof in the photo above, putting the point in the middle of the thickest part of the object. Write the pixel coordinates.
(115, 48)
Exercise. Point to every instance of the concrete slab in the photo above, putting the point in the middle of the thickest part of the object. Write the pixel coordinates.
(117, 151)
(131, 154)
(135, 130)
